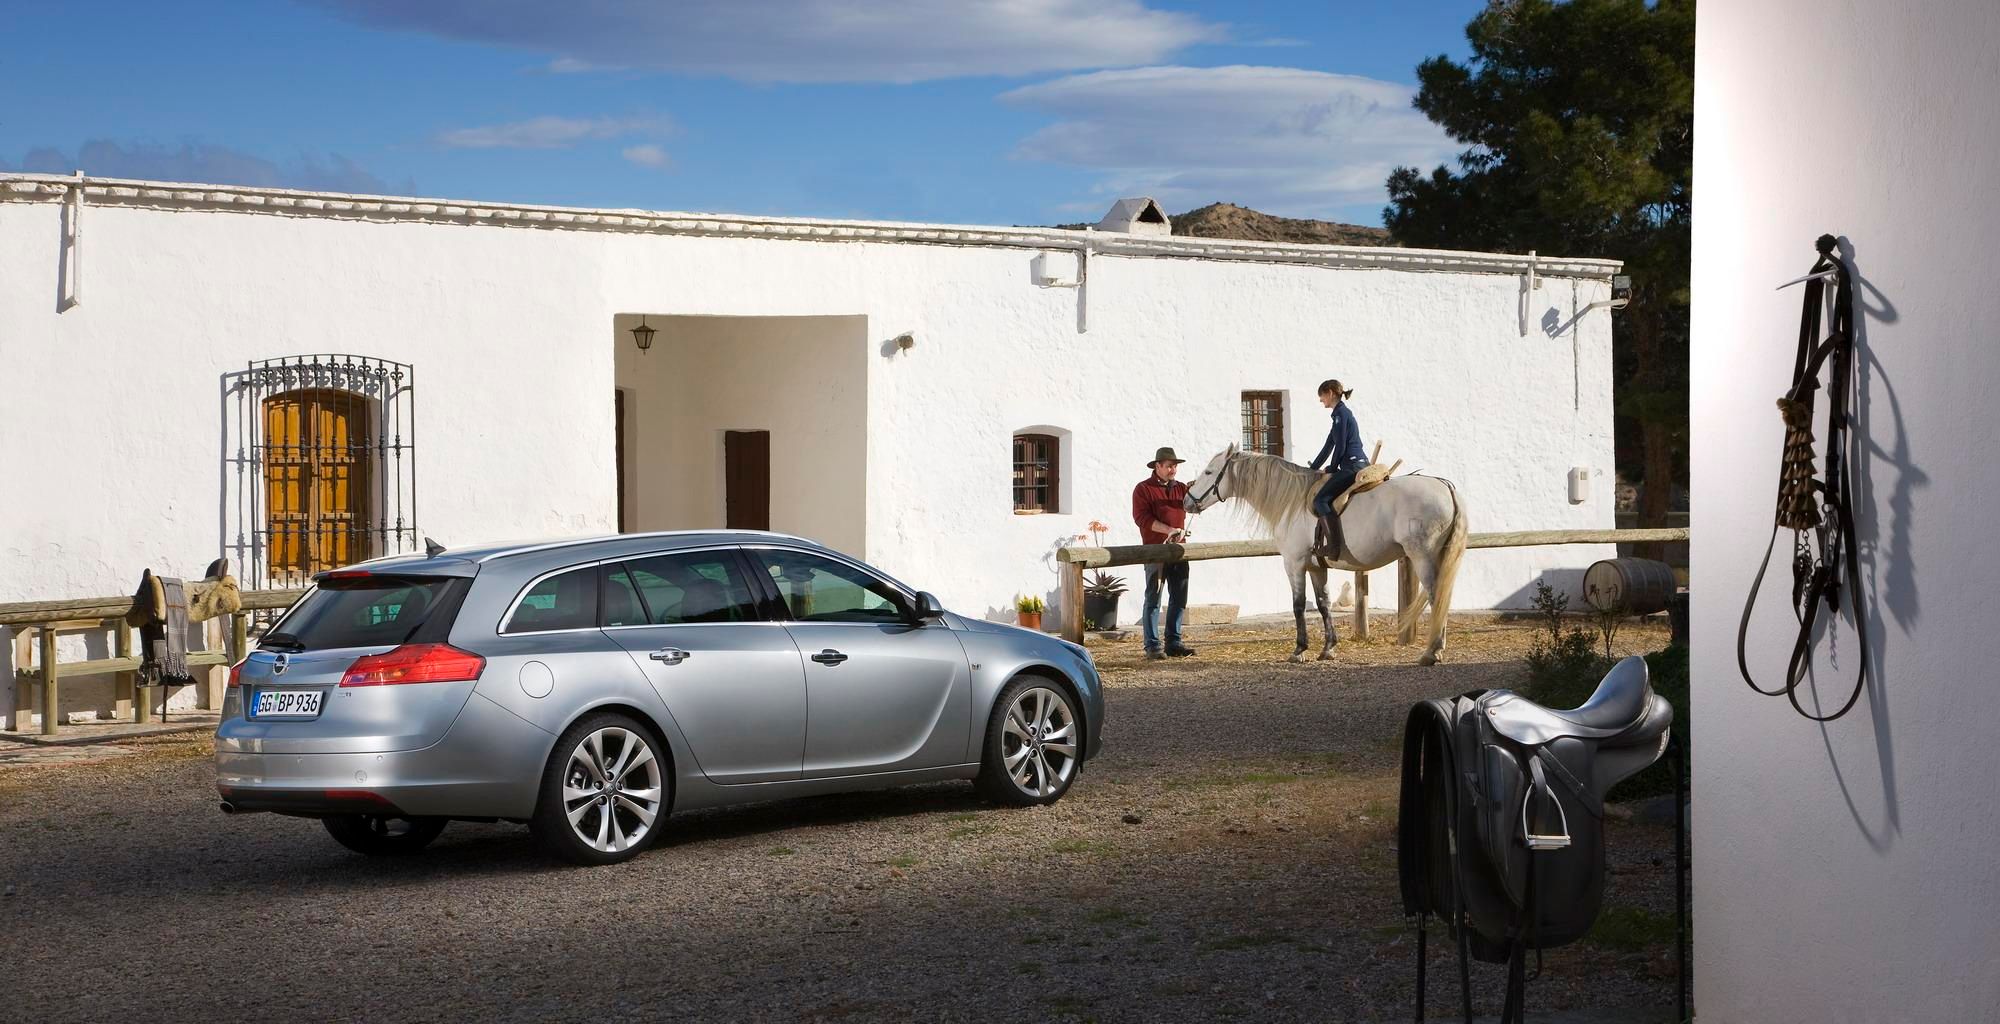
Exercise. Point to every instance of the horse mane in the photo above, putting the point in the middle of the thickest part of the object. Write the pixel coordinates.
(1276, 490)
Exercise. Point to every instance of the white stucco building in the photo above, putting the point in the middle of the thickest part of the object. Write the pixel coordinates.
(885, 368)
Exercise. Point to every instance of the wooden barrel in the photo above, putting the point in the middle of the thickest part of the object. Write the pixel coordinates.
(1634, 586)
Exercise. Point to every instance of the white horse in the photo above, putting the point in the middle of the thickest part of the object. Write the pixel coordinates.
(1415, 517)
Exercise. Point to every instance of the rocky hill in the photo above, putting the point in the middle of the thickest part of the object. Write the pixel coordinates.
(1228, 220)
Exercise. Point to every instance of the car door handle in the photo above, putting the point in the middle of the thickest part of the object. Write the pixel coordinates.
(670, 655)
(829, 657)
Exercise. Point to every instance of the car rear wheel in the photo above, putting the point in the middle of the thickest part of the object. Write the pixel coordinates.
(381, 836)
(604, 792)
(1033, 744)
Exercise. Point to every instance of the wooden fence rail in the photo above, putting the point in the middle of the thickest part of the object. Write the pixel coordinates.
(35, 658)
(1076, 560)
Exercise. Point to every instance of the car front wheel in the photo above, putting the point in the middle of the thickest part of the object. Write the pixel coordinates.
(1033, 744)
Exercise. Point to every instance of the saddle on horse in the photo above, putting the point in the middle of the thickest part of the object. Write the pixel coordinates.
(1327, 536)
(1500, 827)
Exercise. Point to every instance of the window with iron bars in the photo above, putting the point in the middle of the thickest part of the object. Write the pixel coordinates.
(1264, 422)
(1037, 465)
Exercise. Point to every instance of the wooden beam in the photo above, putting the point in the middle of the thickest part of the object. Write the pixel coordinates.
(34, 613)
(1072, 602)
(1534, 538)
(1139, 554)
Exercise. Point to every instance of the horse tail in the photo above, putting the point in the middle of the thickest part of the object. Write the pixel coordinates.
(1448, 558)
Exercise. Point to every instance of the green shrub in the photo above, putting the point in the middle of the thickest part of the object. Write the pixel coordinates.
(1564, 668)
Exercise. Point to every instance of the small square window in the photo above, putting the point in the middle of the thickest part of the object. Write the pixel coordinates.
(1264, 422)
(1037, 459)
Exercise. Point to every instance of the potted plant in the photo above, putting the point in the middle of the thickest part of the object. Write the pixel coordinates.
(1028, 611)
(1100, 599)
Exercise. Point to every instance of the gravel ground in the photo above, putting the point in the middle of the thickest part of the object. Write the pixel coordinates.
(1229, 857)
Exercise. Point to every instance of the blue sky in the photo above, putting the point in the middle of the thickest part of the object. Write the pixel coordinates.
(975, 111)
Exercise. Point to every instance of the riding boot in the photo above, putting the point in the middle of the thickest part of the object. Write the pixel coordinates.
(1330, 538)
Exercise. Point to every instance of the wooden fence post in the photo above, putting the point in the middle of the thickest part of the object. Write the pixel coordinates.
(24, 690)
(122, 692)
(1360, 605)
(49, 704)
(1072, 602)
(1406, 596)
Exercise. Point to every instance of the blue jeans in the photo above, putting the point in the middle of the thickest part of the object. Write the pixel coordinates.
(1342, 479)
(1175, 576)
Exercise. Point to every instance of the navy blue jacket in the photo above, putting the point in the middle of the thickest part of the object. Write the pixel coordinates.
(1343, 442)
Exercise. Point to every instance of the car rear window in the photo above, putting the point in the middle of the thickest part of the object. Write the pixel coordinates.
(371, 611)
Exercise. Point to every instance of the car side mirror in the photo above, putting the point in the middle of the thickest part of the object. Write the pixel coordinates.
(928, 607)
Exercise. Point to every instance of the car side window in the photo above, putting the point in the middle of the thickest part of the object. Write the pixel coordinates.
(567, 600)
(819, 589)
(622, 606)
(693, 587)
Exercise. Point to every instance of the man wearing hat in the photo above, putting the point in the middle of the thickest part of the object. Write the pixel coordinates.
(1162, 519)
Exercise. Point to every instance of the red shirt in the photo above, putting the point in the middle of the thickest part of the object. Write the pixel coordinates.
(1156, 500)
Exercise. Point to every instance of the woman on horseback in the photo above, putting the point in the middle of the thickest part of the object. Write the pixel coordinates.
(1343, 449)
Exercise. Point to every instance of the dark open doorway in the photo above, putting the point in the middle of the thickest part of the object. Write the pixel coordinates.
(746, 482)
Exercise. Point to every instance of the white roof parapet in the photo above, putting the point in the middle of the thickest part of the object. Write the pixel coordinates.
(31, 188)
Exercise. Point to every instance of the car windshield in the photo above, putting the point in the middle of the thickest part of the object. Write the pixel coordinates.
(370, 611)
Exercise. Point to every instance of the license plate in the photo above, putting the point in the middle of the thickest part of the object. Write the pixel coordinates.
(286, 704)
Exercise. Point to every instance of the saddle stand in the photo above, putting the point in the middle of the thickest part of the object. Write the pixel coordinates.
(1500, 831)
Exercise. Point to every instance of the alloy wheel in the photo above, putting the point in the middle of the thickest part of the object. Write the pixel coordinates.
(1038, 741)
(611, 790)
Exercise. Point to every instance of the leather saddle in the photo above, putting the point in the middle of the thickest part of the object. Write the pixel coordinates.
(1500, 831)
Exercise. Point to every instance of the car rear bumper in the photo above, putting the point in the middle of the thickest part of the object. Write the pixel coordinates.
(489, 765)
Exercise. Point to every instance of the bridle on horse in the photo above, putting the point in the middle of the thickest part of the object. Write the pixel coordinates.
(1823, 508)
(1215, 486)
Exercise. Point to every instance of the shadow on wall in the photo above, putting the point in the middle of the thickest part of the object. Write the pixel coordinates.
(1882, 532)
(1563, 581)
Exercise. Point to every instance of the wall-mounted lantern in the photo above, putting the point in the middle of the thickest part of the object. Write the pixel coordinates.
(643, 334)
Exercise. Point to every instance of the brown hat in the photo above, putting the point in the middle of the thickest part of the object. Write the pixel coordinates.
(1164, 455)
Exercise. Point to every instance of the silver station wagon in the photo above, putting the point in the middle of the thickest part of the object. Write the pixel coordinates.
(589, 688)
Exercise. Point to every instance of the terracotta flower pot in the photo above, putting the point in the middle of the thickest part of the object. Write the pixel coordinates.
(1029, 620)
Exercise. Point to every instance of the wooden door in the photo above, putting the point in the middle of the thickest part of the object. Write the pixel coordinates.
(317, 480)
(746, 479)
(618, 451)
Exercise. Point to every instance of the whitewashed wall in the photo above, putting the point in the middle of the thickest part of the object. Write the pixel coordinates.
(110, 457)
(1847, 872)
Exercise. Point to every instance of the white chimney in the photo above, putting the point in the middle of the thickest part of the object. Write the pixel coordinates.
(1136, 216)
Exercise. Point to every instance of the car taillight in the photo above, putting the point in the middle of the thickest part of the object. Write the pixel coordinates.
(415, 663)
(236, 674)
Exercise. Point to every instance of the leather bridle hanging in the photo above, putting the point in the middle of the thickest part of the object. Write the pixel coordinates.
(1827, 565)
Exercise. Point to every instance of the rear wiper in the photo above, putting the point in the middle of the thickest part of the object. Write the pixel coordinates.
(285, 640)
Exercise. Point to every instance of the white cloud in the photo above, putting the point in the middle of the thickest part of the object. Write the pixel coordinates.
(553, 132)
(809, 40)
(1282, 140)
(212, 165)
(648, 155)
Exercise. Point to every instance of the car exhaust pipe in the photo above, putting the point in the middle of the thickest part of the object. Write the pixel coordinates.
(228, 808)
